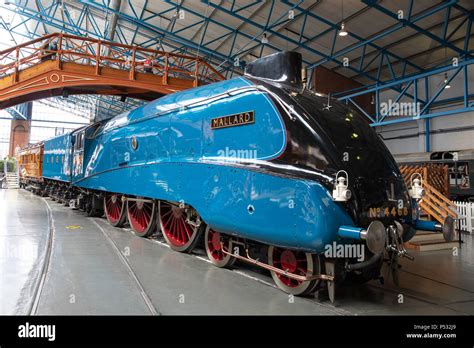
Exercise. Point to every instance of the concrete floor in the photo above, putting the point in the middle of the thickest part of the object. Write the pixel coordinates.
(94, 268)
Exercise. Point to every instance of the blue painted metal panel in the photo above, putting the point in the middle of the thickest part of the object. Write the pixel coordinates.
(57, 159)
(303, 214)
(176, 132)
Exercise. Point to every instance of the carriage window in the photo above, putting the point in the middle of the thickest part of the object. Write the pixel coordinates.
(79, 143)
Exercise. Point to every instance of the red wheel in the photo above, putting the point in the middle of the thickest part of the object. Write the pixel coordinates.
(297, 262)
(142, 217)
(114, 209)
(212, 243)
(181, 226)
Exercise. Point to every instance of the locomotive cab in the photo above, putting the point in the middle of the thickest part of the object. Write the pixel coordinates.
(78, 154)
(82, 144)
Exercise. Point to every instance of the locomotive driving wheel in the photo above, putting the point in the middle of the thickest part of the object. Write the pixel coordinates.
(114, 209)
(212, 243)
(296, 262)
(181, 225)
(142, 216)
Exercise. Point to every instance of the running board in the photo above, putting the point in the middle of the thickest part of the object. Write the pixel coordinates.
(277, 270)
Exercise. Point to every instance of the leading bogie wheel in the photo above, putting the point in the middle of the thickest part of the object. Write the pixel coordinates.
(142, 216)
(181, 225)
(296, 262)
(115, 210)
(214, 243)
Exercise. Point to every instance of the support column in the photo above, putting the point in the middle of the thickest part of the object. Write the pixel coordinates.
(427, 135)
(427, 120)
(19, 135)
(20, 127)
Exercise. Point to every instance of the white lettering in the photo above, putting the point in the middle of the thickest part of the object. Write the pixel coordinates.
(37, 331)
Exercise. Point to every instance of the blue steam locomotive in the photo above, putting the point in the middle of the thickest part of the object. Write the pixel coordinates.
(258, 167)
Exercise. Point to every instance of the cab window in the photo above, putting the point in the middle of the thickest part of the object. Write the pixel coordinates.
(79, 141)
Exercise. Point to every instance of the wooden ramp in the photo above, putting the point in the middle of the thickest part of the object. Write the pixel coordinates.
(429, 241)
(435, 205)
(61, 64)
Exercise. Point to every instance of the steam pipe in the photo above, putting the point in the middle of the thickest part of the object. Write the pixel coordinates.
(360, 265)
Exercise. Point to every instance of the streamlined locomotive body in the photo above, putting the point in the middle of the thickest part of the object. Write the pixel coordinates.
(256, 163)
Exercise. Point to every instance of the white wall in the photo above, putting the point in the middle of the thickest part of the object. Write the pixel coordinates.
(398, 138)
(409, 137)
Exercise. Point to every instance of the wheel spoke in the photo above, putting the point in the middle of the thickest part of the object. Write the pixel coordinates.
(186, 229)
(215, 247)
(166, 214)
(141, 217)
(179, 234)
(295, 262)
(182, 231)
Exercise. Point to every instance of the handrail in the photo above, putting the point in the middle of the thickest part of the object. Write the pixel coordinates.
(438, 194)
(62, 48)
(435, 203)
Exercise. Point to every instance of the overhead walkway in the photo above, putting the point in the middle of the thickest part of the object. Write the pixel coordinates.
(61, 65)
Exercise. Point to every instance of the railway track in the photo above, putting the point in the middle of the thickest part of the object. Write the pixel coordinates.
(436, 281)
(243, 270)
(38, 290)
(257, 275)
(46, 262)
(132, 274)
